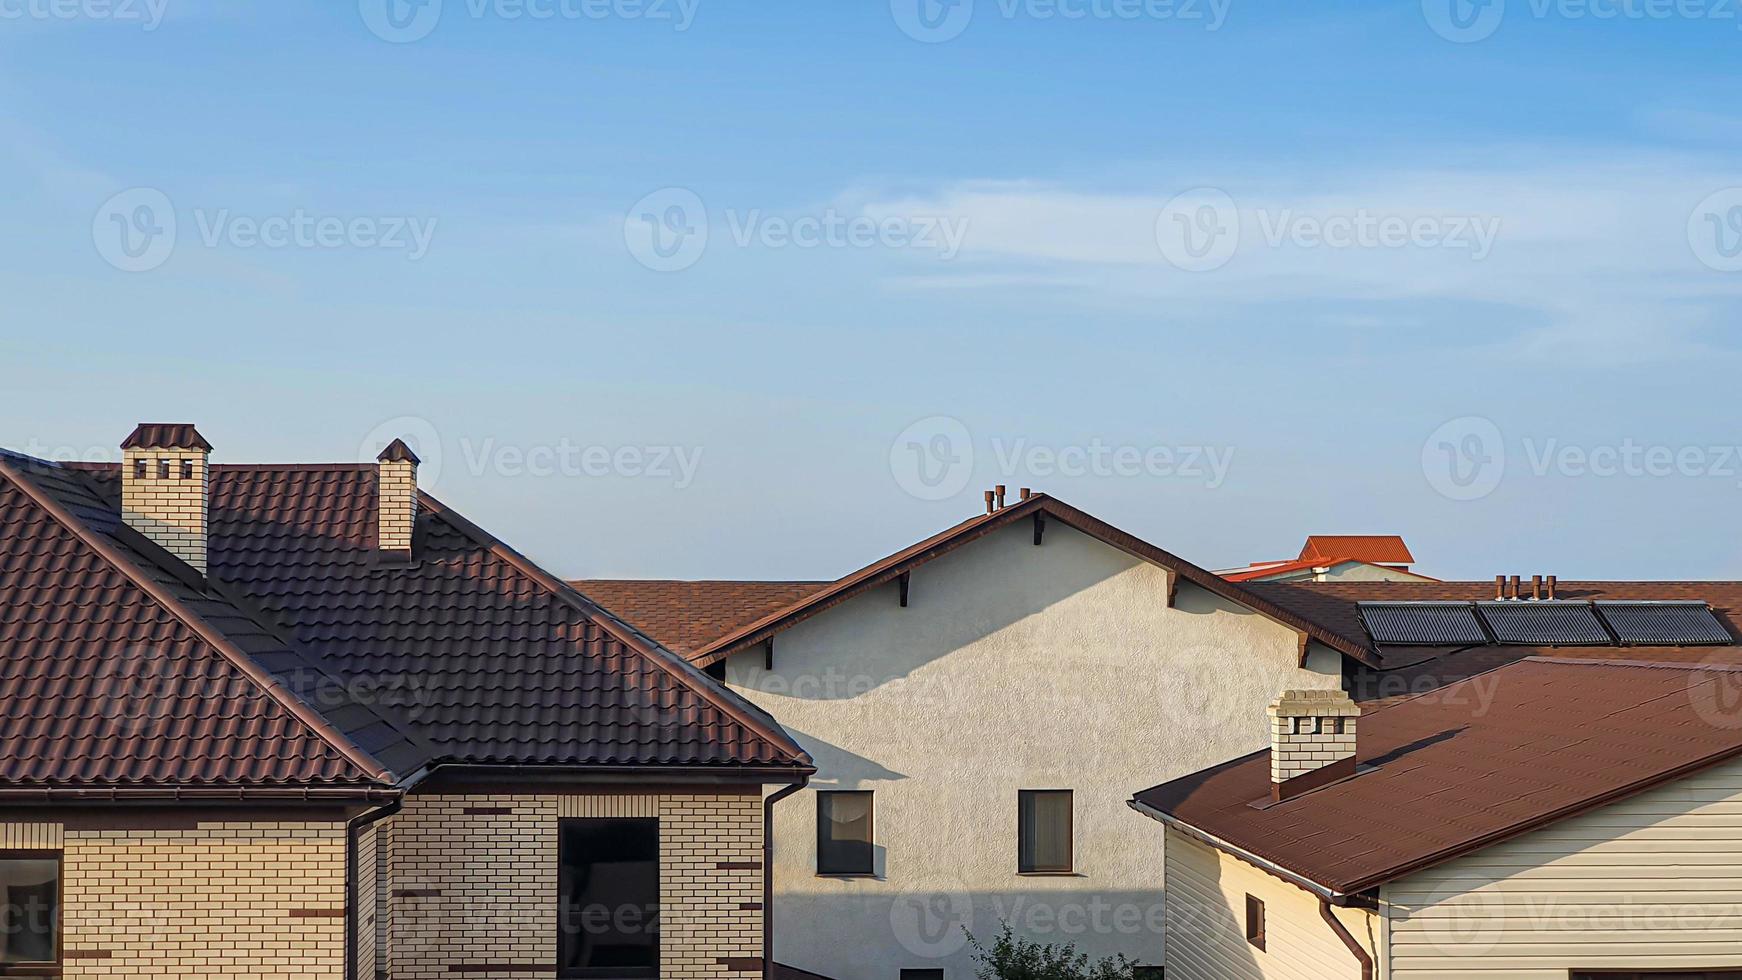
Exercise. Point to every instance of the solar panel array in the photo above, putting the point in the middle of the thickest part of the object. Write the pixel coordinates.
(1432, 623)
(1663, 623)
(1544, 623)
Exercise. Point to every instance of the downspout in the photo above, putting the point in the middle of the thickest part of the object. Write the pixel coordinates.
(768, 873)
(1355, 947)
(353, 830)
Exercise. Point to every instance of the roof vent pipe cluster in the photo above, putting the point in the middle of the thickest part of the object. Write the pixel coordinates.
(1541, 587)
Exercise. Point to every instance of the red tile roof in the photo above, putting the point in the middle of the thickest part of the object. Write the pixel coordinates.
(1469, 765)
(1260, 572)
(684, 616)
(1383, 549)
(470, 655)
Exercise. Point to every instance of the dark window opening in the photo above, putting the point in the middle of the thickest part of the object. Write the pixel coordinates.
(1043, 830)
(922, 975)
(187, 469)
(139, 469)
(30, 916)
(608, 898)
(163, 469)
(1149, 973)
(844, 833)
(1255, 922)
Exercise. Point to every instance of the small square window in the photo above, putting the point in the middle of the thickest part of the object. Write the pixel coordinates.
(187, 469)
(163, 469)
(30, 913)
(1255, 922)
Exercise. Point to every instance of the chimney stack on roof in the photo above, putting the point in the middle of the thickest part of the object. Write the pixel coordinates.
(1025, 493)
(396, 499)
(165, 486)
(1312, 740)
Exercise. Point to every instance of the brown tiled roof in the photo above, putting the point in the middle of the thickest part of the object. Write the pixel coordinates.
(165, 435)
(1047, 508)
(104, 682)
(683, 616)
(1380, 548)
(1335, 606)
(1470, 765)
(469, 655)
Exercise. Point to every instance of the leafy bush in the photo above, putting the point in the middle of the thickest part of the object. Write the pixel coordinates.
(1011, 957)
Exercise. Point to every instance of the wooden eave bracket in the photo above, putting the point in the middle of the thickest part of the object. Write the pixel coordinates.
(901, 583)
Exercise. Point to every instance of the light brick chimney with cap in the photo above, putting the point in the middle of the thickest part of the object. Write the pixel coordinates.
(1312, 740)
(164, 488)
(396, 501)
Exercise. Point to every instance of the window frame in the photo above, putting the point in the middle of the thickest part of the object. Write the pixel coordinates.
(1070, 865)
(43, 967)
(611, 973)
(870, 869)
(912, 973)
(1255, 924)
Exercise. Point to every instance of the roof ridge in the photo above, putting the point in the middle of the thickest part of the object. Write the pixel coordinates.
(747, 714)
(310, 717)
(929, 548)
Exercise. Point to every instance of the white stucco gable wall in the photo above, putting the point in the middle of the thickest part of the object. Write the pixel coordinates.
(1013, 667)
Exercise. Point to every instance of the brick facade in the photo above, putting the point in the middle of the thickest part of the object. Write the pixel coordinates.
(1310, 730)
(243, 899)
(474, 883)
(397, 514)
(164, 497)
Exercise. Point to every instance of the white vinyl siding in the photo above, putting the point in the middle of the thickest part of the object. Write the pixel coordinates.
(1206, 927)
(1650, 883)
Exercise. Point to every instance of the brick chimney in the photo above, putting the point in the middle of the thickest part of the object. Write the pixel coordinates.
(396, 499)
(164, 488)
(1312, 740)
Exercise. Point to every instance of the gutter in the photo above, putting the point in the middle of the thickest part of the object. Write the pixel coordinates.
(1336, 924)
(768, 873)
(1324, 892)
(353, 831)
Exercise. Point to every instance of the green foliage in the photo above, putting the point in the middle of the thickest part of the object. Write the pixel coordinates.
(1011, 957)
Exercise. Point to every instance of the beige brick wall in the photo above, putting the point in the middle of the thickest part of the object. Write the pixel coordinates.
(170, 511)
(474, 883)
(398, 506)
(210, 900)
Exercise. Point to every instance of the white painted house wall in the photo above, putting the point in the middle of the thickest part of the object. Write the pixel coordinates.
(1206, 922)
(1013, 667)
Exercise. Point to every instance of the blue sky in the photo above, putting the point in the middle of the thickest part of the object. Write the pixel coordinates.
(1526, 362)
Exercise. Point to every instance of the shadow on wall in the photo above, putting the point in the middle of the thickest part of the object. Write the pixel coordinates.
(877, 936)
(831, 760)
